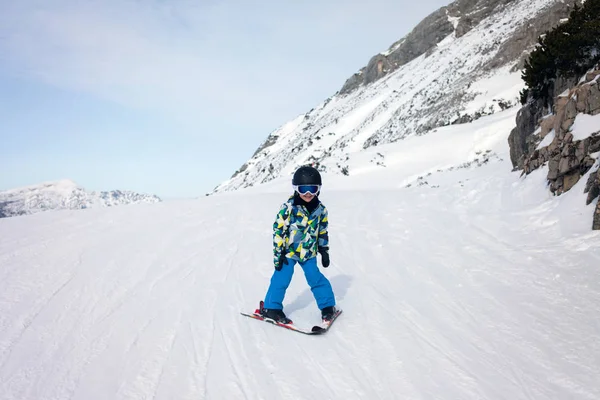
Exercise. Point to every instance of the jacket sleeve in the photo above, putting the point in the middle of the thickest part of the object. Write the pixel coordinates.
(280, 231)
(323, 232)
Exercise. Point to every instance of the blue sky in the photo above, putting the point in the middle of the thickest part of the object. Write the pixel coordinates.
(171, 97)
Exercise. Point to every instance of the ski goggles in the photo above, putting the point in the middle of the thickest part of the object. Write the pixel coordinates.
(304, 189)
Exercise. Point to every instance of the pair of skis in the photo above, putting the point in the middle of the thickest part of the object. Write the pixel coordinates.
(315, 330)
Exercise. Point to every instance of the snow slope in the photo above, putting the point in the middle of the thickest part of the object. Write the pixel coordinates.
(472, 283)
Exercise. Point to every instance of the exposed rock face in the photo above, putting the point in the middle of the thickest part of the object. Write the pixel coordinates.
(472, 12)
(592, 188)
(423, 37)
(567, 159)
(525, 36)
(459, 18)
(520, 139)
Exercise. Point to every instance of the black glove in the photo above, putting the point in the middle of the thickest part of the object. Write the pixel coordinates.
(282, 260)
(324, 251)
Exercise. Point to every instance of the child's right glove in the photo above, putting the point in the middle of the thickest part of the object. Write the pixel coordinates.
(282, 260)
(324, 251)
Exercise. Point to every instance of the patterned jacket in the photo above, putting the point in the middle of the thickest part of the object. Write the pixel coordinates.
(299, 233)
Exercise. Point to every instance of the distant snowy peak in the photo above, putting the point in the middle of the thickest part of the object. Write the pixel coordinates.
(460, 63)
(64, 186)
(61, 195)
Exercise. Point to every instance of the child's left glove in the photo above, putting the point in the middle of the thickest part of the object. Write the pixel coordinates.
(282, 260)
(324, 251)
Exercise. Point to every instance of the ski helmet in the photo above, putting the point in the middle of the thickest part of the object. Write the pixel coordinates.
(306, 176)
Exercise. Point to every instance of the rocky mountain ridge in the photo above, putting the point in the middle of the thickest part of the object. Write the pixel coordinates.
(458, 18)
(64, 195)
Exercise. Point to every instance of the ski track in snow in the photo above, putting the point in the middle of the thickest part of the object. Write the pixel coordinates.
(449, 316)
(482, 288)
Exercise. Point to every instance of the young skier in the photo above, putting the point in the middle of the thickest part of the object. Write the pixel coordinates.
(299, 232)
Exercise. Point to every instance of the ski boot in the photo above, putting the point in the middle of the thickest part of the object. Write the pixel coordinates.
(328, 313)
(274, 315)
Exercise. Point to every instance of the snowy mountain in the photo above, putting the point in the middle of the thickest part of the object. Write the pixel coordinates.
(64, 194)
(458, 278)
(458, 64)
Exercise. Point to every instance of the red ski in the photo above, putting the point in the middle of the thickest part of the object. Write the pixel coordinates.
(315, 330)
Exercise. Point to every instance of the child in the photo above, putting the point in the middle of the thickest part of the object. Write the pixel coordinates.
(299, 232)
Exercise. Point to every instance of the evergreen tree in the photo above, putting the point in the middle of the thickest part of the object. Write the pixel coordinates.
(567, 51)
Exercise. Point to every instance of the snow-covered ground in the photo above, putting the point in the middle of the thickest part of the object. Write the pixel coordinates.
(458, 278)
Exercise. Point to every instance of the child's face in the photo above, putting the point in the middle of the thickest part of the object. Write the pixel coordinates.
(307, 197)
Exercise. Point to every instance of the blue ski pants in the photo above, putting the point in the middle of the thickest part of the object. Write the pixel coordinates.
(319, 284)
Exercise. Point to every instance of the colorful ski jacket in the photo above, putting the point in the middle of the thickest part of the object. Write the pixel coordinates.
(299, 233)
